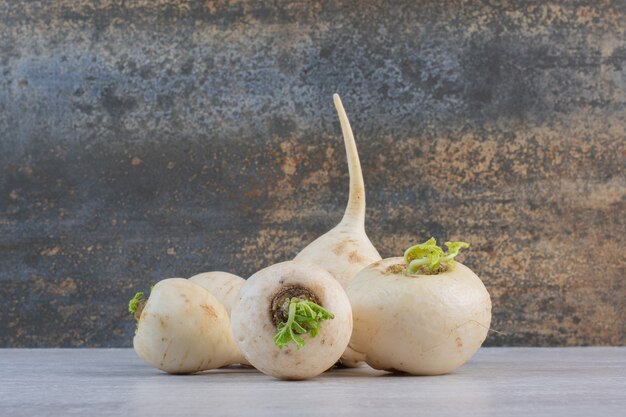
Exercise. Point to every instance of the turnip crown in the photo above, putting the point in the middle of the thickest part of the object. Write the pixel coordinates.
(428, 258)
(304, 316)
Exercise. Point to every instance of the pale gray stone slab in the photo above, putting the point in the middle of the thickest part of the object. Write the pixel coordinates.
(498, 381)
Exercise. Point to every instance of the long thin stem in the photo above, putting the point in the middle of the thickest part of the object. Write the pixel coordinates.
(355, 209)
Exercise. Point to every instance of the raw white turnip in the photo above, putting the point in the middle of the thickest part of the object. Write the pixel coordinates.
(345, 249)
(223, 285)
(182, 328)
(293, 320)
(423, 314)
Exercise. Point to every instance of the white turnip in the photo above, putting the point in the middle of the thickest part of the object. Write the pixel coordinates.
(345, 249)
(293, 320)
(223, 285)
(182, 328)
(423, 314)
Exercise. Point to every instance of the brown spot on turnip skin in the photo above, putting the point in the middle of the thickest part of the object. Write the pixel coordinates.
(165, 354)
(424, 270)
(376, 264)
(400, 268)
(355, 258)
(337, 250)
(342, 246)
(459, 343)
(163, 322)
(209, 310)
(395, 269)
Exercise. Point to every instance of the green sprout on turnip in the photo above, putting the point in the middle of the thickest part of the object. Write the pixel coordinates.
(133, 304)
(428, 258)
(297, 302)
(304, 317)
(182, 328)
(423, 313)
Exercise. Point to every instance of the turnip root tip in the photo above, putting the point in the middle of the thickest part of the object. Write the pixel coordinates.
(355, 209)
(345, 249)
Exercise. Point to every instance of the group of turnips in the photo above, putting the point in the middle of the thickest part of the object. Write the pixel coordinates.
(336, 303)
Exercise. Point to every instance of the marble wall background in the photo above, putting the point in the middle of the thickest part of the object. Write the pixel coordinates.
(150, 139)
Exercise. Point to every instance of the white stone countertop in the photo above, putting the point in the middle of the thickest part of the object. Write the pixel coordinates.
(496, 382)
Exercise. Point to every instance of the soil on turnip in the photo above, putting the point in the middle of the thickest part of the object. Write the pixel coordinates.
(424, 270)
(279, 307)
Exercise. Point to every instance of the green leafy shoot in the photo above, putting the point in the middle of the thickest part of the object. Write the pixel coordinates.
(304, 317)
(133, 304)
(453, 251)
(431, 256)
(424, 254)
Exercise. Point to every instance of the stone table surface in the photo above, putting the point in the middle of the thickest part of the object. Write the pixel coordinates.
(497, 381)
